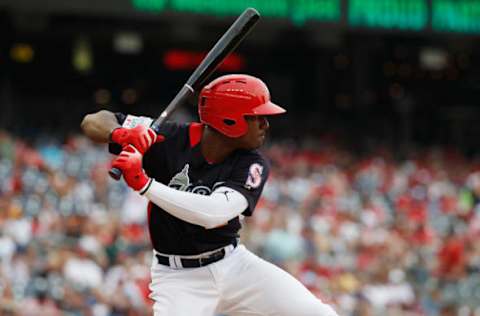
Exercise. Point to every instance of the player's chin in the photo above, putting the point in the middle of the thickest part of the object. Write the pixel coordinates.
(253, 142)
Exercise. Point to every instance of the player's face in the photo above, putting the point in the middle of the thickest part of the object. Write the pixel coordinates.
(257, 132)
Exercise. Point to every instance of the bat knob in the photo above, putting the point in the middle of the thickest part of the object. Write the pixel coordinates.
(115, 173)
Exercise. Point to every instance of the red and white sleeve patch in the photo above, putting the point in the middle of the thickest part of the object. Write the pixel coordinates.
(254, 178)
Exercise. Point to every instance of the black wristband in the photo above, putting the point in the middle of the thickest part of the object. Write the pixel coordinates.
(146, 187)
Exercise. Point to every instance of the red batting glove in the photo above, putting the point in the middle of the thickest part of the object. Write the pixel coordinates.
(140, 137)
(130, 162)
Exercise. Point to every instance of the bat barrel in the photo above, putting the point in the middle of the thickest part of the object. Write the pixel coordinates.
(225, 45)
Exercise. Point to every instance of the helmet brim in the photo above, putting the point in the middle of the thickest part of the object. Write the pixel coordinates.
(268, 108)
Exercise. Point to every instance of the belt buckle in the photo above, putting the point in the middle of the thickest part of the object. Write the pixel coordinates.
(213, 257)
(206, 260)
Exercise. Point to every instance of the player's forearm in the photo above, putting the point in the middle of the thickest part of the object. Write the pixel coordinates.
(98, 126)
(209, 211)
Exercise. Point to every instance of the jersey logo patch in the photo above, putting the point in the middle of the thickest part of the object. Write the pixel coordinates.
(254, 178)
(181, 181)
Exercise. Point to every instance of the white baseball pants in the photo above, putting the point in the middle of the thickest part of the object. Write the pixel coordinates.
(240, 284)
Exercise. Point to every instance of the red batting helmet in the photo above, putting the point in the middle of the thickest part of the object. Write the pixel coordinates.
(224, 103)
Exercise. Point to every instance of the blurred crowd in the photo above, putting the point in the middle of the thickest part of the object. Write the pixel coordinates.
(369, 233)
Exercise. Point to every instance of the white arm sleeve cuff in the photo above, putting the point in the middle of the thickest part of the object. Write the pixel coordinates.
(209, 211)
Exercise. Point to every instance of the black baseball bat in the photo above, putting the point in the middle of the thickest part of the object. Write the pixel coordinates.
(225, 45)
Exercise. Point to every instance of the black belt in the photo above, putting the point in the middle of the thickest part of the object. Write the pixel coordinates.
(196, 262)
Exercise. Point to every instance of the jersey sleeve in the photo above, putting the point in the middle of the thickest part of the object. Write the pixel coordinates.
(120, 117)
(248, 177)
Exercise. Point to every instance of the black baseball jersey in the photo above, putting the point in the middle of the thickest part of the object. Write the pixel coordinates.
(179, 163)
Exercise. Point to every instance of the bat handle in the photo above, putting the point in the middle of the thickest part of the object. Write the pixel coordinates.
(115, 173)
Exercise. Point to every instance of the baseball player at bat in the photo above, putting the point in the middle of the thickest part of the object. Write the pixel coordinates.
(201, 179)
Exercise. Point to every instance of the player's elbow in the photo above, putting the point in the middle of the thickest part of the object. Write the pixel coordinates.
(91, 120)
(222, 213)
(86, 123)
(98, 126)
(89, 128)
(213, 221)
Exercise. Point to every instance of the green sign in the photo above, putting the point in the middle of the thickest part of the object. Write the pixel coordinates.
(232, 7)
(391, 14)
(320, 10)
(150, 5)
(447, 15)
(299, 11)
(456, 15)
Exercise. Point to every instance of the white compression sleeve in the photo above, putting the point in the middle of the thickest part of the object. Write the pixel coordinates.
(209, 211)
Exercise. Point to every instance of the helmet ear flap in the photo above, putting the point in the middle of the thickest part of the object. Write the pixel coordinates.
(203, 100)
(238, 128)
(241, 127)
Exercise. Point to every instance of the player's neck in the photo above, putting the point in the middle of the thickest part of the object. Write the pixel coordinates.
(215, 146)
